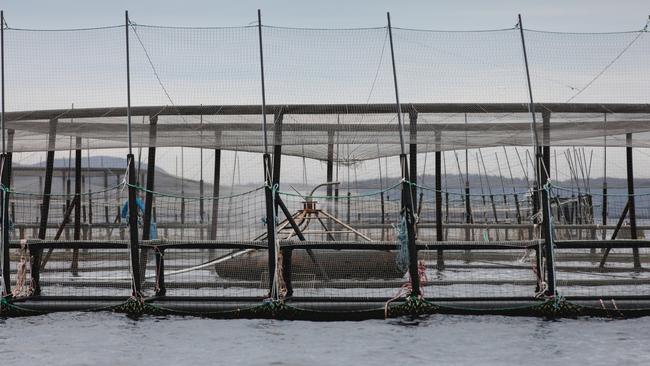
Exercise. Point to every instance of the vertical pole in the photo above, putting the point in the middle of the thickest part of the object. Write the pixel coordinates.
(133, 228)
(631, 199)
(215, 193)
(77, 207)
(201, 186)
(5, 244)
(2, 77)
(277, 160)
(128, 82)
(413, 155)
(148, 201)
(604, 210)
(268, 176)
(6, 181)
(545, 169)
(440, 263)
(270, 223)
(277, 148)
(133, 209)
(106, 219)
(330, 174)
(36, 253)
(68, 202)
(330, 162)
(407, 198)
(539, 161)
(468, 210)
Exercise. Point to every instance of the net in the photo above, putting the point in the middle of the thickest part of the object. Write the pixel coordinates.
(351, 219)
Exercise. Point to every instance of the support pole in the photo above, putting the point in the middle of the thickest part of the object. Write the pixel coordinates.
(277, 149)
(148, 201)
(134, 245)
(330, 162)
(630, 197)
(2, 78)
(6, 181)
(45, 208)
(413, 155)
(5, 164)
(604, 208)
(468, 210)
(407, 201)
(77, 209)
(545, 169)
(440, 263)
(540, 178)
(201, 187)
(330, 174)
(277, 161)
(215, 194)
(270, 222)
(268, 176)
(132, 181)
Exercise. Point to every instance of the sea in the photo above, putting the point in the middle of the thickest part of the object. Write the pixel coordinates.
(114, 339)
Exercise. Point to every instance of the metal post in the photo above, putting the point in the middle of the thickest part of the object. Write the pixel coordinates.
(413, 155)
(133, 209)
(545, 169)
(133, 228)
(330, 174)
(268, 175)
(201, 186)
(539, 161)
(407, 198)
(148, 201)
(6, 181)
(330, 162)
(440, 263)
(270, 223)
(2, 77)
(259, 32)
(277, 149)
(630, 197)
(77, 208)
(277, 161)
(5, 243)
(604, 209)
(45, 207)
(128, 82)
(215, 194)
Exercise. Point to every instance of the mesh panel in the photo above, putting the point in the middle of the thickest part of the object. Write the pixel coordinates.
(332, 118)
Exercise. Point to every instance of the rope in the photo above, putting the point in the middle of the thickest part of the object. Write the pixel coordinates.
(402, 258)
(278, 289)
(143, 189)
(373, 193)
(21, 290)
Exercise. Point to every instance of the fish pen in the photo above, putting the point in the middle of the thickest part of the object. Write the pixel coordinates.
(324, 174)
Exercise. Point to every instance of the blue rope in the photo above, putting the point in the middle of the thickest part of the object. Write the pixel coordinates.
(402, 259)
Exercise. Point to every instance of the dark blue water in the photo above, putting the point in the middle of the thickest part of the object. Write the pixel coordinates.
(113, 339)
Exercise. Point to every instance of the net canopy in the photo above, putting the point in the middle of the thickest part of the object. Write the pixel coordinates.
(324, 87)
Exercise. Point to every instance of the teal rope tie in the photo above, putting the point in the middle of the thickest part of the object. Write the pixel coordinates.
(402, 259)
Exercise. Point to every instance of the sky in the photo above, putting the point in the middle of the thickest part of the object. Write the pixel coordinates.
(551, 15)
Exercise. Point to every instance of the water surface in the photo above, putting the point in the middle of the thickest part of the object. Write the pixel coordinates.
(114, 339)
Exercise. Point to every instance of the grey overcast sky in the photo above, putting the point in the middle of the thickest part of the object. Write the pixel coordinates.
(552, 15)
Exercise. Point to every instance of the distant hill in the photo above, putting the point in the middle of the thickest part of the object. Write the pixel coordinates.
(31, 181)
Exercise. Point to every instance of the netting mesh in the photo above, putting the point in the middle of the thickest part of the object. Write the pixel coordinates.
(591, 216)
(339, 208)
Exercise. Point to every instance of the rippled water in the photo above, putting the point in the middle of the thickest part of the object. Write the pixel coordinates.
(113, 339)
